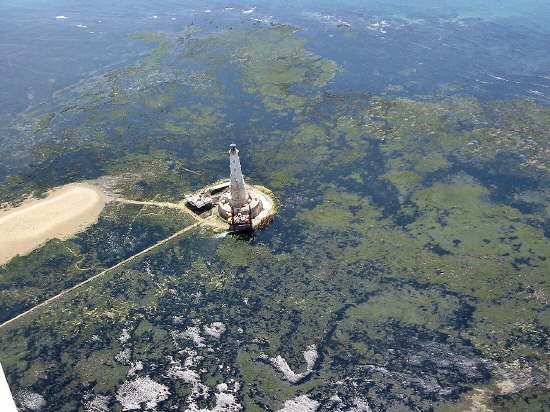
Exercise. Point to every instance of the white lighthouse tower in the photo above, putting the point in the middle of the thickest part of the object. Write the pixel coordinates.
(239, 206)
(242, 206)
(239, 196)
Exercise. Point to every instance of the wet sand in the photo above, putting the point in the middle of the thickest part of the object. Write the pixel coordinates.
(65, 211)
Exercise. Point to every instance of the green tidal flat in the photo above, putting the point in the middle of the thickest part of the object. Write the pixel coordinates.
(407, 268)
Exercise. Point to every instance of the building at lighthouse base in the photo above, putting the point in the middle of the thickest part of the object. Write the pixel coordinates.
(256, 212)
(215, 200)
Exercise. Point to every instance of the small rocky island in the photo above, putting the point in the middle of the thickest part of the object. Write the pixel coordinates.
(232, 203)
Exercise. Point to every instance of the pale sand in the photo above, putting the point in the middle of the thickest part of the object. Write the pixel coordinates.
(65, 211)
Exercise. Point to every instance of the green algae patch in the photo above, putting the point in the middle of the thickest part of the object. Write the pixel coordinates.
(45, 271)
(459, 240)
(330, 217)
(424, 136)
(158, 175)
(149, 341)
(427, 308)
(403, 178)
(432, 163)
(44, 121)
(101, 369)
(255, 373)
(274, 62)
(194, 120)
(238, 253)
(343, 211)
(461, 220)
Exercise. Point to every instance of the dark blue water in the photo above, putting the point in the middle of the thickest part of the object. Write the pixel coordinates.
(491, 49)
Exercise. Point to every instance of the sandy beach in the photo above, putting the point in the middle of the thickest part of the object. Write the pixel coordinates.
(64, 211)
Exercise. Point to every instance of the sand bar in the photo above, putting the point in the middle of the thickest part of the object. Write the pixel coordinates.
(65, 211)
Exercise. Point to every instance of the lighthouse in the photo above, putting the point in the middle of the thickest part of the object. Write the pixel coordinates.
(232, 201)
(241, 204)
(239, 197)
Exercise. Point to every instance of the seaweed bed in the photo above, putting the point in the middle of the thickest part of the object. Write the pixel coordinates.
(411, 249)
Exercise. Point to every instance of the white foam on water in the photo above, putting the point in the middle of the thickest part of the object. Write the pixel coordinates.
(134, 367)
(249, 10)
(30, 400)
(192, 333)
(61, 17)
(266, 20)
(226, 400)
(502, 78)
(98, 403)
(360, 405)
(311, 355)
(301, 403)
(279, 363)
(124, 336)
(131, 394)
(380, 26)
(497, 77)
(124, 356)
(215, 329)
